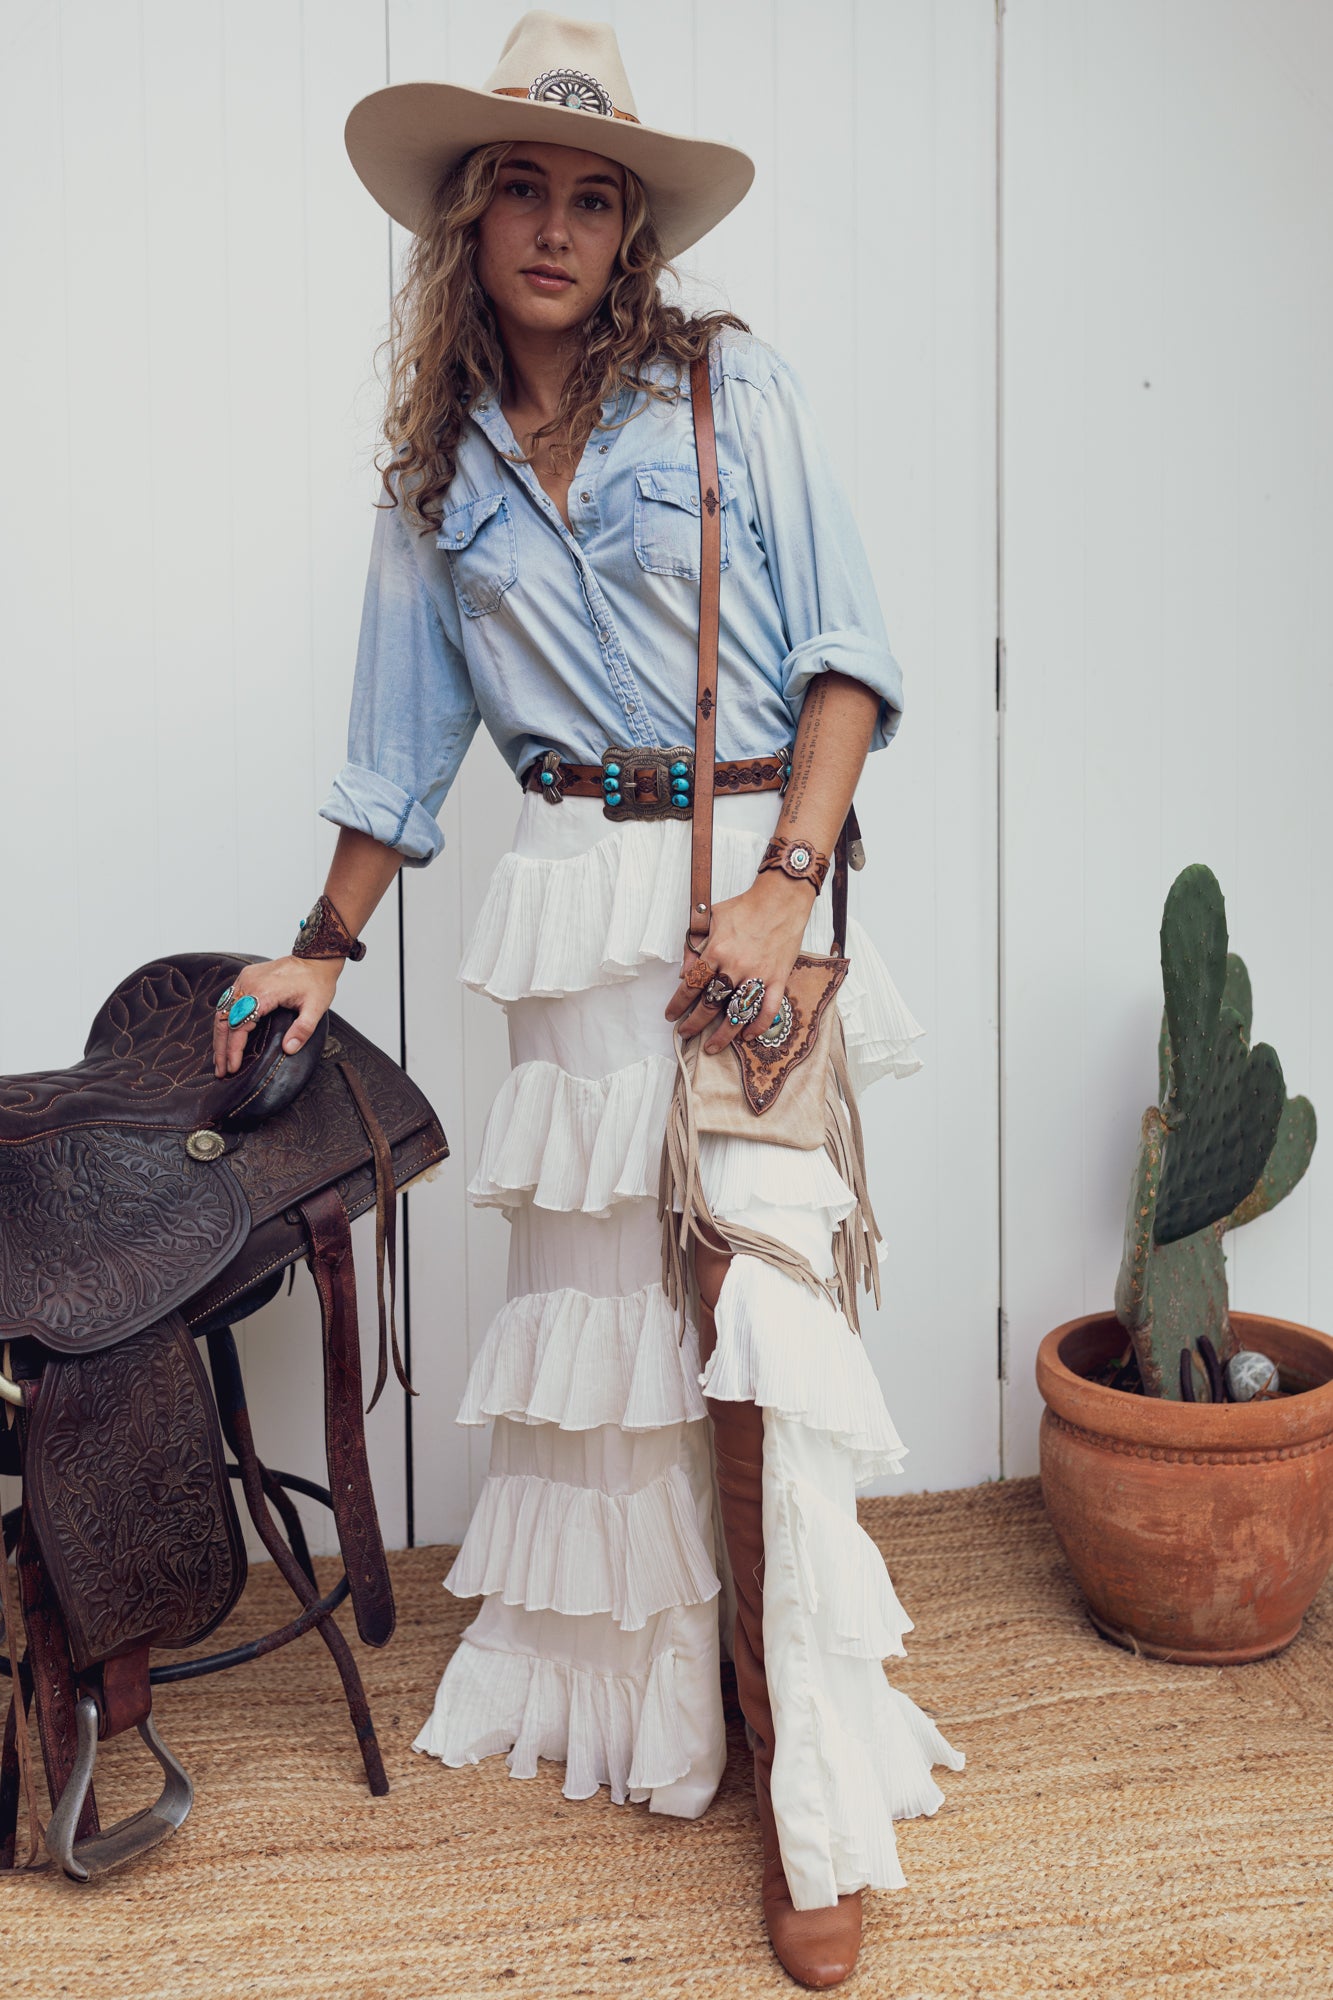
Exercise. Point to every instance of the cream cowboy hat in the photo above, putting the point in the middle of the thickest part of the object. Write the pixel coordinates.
(557, 81)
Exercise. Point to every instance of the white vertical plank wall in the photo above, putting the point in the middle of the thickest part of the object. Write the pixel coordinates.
(1168, 415)
(194, 282)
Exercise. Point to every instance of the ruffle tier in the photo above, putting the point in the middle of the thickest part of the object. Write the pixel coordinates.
(577, 1362)
(559, 923)
(619, 1730)
(582, 1145)
(577, 1550)
(786, 1348)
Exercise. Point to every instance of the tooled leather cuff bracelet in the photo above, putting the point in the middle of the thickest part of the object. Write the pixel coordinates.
(796, 858)
(323, 934)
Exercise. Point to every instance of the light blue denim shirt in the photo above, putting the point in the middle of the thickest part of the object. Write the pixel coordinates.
(570, 639)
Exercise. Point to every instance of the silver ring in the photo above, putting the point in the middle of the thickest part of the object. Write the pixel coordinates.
(744, 1004)
(717, 992)
(779, 1029)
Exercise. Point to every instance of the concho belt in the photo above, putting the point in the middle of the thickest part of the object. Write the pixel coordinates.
(635, 783)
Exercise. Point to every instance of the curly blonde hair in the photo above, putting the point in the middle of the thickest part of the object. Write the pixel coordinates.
(446, 350)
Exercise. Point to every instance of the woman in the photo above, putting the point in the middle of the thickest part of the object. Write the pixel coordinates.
(536, 567)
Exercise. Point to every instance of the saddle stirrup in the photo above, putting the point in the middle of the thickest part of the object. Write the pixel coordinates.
(83, 1859)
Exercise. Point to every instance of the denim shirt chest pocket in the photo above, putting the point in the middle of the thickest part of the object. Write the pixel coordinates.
(666, 518)
(478, 537)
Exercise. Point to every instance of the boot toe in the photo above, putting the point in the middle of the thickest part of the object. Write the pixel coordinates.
(817, 1948)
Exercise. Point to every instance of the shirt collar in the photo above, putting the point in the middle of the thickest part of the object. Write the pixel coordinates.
(490, 419)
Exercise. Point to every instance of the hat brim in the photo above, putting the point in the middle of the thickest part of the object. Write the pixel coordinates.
(404, 139)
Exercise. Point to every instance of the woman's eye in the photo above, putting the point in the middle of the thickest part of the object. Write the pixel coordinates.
(593, 201)
(521, 188)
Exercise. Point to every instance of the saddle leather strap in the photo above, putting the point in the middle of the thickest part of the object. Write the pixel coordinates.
(16, 1744)
(55, 1695)
(386, 1232)
(705, 707)
(344, 1426)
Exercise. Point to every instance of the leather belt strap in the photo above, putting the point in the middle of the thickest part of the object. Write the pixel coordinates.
(584, 781)
(705, 707)
(344, 1426)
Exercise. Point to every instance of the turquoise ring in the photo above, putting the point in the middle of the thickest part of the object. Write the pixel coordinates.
(241, 1010)
(223, 1001)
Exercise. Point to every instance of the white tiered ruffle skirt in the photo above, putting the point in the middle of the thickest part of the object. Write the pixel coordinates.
(594, 1546)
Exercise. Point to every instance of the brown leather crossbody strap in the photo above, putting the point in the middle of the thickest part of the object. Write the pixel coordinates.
(705, 713)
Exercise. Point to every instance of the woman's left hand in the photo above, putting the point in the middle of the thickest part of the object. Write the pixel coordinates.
(753, 936)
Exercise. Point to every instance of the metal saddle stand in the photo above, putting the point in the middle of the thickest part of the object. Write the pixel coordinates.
(146, 1204)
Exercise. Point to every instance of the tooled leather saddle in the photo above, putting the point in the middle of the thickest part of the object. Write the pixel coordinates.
(145, 1203)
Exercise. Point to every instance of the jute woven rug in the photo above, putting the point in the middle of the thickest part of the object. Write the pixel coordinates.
(1123, 1828)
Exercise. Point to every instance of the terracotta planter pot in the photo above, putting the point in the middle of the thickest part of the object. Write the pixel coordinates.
(1199, 1532)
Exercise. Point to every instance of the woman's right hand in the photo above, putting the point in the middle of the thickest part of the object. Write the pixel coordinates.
(307, 984)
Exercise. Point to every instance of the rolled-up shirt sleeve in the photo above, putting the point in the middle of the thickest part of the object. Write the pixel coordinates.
(816, 558)
(413, 712)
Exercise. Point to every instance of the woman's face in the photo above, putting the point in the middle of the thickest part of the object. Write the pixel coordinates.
(547, 244)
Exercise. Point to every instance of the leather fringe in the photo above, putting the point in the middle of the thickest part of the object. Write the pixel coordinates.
(856, 1240)
(686, 1216)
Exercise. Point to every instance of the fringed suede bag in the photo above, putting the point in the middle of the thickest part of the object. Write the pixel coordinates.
(791, 1088)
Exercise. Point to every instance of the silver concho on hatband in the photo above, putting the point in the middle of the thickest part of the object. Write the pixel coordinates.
(573, 88)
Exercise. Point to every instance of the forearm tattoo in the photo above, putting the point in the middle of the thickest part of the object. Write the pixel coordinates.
(806, 747)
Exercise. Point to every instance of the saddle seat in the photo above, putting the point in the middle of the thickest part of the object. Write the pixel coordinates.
(148, 1061)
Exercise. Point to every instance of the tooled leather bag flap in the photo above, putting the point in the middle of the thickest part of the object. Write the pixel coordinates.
(812, 987)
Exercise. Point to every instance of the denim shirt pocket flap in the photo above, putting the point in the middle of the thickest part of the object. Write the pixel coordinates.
(478, 536)
(666, 518)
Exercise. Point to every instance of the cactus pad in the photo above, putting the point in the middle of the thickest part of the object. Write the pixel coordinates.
(1286, 1164)
(1216, 1155)
(1223, 1146)
(1194, 973)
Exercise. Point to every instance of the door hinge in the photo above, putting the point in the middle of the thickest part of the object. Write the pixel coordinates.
(1000, 661)
(1001, 1344)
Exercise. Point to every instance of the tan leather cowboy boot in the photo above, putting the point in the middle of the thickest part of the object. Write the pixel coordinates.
(817, 1947)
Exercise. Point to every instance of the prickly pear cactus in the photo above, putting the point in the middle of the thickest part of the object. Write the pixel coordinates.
(1223, 1145)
